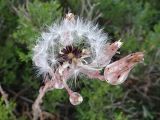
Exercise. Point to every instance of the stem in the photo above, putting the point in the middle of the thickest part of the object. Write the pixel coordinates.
(36, 106)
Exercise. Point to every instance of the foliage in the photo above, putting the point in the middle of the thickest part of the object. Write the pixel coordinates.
(135, 22)
(6, 110)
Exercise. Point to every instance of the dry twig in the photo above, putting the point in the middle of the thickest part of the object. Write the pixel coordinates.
(4, 96)
(89, 8)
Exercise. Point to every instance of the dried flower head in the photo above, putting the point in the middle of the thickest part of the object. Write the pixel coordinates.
(78, 46)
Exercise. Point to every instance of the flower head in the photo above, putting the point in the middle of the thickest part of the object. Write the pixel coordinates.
(78, 46)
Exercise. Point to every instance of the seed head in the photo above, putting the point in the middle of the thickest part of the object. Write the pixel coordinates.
(77, 46)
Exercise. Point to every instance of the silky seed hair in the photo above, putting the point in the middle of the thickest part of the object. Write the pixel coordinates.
(76, 34)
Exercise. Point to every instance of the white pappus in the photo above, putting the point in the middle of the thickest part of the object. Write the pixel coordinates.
(78, 46)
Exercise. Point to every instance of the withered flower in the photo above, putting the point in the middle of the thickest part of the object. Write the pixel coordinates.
(76, 46)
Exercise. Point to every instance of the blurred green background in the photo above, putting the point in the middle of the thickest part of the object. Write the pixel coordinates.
(135, 22)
